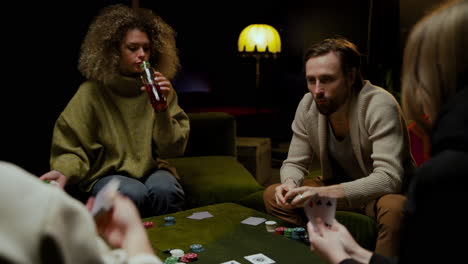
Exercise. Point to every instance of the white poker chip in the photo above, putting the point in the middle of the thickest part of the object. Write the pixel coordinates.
(177, 253)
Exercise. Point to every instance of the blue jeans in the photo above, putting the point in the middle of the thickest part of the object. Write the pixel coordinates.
(160, 193)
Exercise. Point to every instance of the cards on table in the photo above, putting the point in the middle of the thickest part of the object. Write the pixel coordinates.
(105, 198)
(259, 259)
(253, 221)
(322, 207)
(200, 215)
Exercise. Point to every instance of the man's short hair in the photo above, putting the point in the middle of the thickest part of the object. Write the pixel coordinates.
(347, 52)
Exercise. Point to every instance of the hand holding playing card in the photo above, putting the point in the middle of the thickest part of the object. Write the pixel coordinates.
(320, 207)
(105, 198)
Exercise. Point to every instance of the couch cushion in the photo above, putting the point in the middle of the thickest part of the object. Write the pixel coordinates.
(214, 179)
(254, 201)
(219, 129)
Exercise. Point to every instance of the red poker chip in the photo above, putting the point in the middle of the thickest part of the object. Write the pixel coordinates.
(279, 230)
(148, 224)
(182, 259)
(189, 257)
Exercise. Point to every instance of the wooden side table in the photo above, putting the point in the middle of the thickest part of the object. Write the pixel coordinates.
(255, 154)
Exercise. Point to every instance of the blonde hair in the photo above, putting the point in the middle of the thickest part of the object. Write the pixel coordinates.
(435, 61)
(100, 50)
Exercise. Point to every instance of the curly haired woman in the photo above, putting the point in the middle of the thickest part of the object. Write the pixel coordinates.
(109, 129)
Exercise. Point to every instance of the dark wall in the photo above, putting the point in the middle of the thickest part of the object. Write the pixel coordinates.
(42, 59)
(411, 12)
(41, 42)
(208, 44)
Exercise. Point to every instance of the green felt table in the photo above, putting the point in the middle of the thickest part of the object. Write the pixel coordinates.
(225, 238)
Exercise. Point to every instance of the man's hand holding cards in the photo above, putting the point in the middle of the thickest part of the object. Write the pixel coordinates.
(320, 207)
(105, 198)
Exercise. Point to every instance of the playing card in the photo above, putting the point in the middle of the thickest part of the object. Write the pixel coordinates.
(200, 215)
(259, 259)
(231, 262)
(322, 207)
(105, 198)
(253, 221)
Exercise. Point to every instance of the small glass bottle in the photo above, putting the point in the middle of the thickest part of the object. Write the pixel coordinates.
(152, 88)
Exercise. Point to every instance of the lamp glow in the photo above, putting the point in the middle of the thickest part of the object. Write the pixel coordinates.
(259, 38)
(259, 41)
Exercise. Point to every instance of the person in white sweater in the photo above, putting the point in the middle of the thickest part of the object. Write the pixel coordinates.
(358, 133)
(40, 223)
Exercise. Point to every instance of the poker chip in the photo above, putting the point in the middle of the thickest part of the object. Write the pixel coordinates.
(184, 260)
(191, 256)
(280, 230)
(51, 182)
(297, 232)
(288, 232)
(177, 253)
(169, 220)
(196, 248)
(300, 230)
(148, 224)
(171, 260)
(270, 226)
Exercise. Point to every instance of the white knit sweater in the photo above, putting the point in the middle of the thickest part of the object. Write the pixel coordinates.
(40, 223)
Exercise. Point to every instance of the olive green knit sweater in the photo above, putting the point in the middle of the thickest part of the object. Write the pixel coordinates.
(111, 128)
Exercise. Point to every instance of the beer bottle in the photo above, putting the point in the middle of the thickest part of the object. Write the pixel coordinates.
(152, 88)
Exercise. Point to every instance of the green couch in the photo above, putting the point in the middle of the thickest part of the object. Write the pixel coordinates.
(211, 174)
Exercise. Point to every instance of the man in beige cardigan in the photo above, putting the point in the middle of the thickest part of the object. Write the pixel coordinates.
(359, 135)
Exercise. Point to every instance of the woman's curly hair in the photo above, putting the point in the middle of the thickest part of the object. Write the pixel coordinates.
(100, 51)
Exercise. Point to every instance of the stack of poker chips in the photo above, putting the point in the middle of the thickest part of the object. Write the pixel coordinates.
(280, 230)
(288, 232)
(189, 257)
(169, 220)
(196, 248)
(178, 253)
(178, 256)
(171, 260)
(296, 233)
